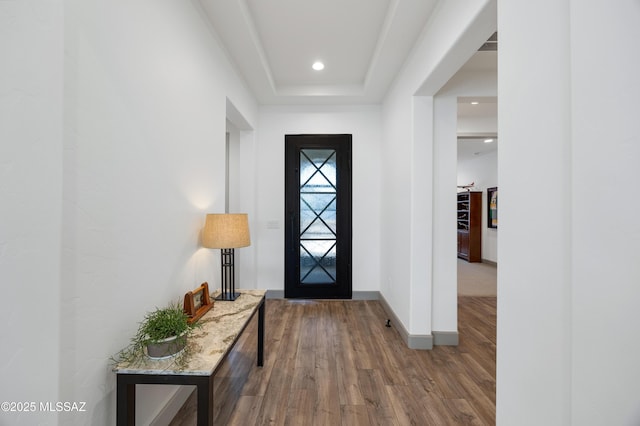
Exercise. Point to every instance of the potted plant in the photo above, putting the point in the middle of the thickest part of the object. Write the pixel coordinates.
(164, 331)
(162, 334)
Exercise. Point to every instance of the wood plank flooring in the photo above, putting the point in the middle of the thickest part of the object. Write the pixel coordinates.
(335, 363)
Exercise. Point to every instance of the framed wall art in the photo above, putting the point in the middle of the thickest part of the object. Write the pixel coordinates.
(492, 207)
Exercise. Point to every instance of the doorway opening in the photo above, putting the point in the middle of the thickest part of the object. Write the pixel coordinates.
(477, 177)
(318, 216)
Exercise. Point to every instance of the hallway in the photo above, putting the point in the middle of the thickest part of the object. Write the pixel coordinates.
(334, 362)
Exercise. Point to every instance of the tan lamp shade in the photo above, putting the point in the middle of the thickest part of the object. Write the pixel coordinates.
(226, 230)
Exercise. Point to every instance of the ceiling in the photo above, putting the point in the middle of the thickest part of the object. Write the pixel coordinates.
(469, 148)
(363, 44)
(478, 115)
(477, 122)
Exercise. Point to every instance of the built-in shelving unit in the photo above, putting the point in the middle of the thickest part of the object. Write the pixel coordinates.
(469, 226)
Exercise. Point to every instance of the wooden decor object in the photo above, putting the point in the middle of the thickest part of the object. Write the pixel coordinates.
(197, 303)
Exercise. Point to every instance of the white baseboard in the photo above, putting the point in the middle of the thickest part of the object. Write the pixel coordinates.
(275, 294)
(445, 338)
(413, 341)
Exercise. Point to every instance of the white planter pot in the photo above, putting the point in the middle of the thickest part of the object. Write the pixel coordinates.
(166, 348)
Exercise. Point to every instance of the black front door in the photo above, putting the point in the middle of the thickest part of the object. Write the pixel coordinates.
(318, 216)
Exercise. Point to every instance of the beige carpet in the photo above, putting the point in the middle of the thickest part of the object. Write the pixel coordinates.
(476, 279)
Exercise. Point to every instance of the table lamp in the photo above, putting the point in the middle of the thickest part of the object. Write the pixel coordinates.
(226, 231)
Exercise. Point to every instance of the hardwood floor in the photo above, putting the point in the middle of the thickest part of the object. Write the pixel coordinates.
(335, 363)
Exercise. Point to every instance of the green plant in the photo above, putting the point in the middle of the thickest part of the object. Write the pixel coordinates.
(160, 324)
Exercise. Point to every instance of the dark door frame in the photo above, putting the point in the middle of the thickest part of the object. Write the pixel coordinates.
(342, 288)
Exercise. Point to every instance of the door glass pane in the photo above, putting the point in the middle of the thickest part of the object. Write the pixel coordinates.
(317, 262)
(317, 216)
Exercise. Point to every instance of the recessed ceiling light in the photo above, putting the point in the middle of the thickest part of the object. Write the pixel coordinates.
(318, 66)
(475, 103)
(488, 140)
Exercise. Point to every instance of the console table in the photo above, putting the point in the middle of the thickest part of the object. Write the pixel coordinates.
(219, 331)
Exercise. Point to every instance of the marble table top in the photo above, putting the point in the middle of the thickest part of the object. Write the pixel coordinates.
(220, 327)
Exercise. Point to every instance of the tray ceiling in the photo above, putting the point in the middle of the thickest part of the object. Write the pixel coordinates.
(362, 43)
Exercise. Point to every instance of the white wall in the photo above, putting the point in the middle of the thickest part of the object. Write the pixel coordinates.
(445, 284)
(534, 306)
(568, 276)
(146, 88)
(411, 281)
(31, 108)
(605, 152)
(241, 194)
(363, 122)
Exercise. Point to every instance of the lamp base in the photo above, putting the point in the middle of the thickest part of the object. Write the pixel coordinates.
(228, 296)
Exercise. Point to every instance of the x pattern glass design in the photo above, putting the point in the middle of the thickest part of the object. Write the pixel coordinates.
(318, 216)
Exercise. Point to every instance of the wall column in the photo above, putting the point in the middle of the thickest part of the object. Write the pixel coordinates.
(534, 242)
